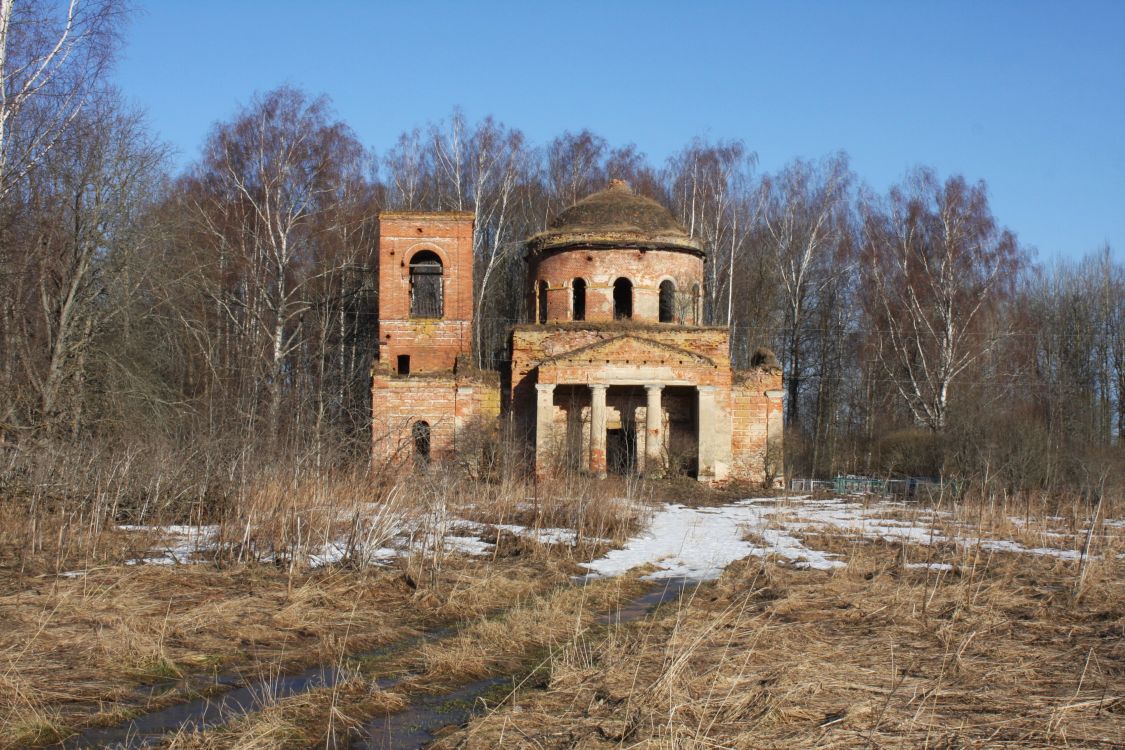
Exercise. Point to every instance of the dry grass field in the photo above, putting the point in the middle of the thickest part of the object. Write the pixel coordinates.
(986, 623)
(96, 615)
(998, 651)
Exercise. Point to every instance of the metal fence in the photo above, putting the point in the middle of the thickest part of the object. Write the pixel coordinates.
(810, 485)
(911, 487)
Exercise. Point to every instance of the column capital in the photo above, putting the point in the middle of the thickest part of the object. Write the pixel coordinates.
(655, 387)
(598, 386)
(775, 394)
(544, 387)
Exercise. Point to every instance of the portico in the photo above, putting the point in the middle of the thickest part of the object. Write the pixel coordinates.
(624, 426)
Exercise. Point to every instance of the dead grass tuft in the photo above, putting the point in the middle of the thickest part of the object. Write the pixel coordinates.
(502, 644)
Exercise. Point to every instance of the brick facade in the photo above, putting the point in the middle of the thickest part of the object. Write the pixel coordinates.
(459, 410)
(535, 344)
(598, 395)
(756, 407)
(432, 343)
(646, 269)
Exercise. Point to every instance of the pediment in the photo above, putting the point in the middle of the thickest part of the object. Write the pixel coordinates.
(632, 349)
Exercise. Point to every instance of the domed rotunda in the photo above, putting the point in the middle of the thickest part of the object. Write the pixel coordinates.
(616, 255)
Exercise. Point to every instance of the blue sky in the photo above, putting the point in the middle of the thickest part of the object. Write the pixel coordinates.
(1029, 96)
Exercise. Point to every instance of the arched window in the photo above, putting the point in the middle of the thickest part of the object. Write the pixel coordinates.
(425, 285)
(578, 299)
(420, 432)
(667, 301)
(622, 299)
(542, 302)
(696, 311)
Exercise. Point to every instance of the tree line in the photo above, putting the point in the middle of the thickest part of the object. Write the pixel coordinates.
(225, 312)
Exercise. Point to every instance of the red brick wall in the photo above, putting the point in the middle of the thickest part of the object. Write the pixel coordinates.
(432, 344)
(600, 268)
(451, 405)
(749, 419)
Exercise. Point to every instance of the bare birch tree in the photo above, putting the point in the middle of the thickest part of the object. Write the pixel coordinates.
(272, 181)
(573, 169)
(81, 212)
(1116, 329)
(710, 187)
(51, 55)
(936, 267)
(410, 170)
(805, 213)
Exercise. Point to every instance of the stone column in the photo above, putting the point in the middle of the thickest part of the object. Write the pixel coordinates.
(706, 432)
(775, 438)
(544, 427)
(597, 430)
(654, 432)
(463, 412)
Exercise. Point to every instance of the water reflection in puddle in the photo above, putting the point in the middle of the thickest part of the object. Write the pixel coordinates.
(420, 724)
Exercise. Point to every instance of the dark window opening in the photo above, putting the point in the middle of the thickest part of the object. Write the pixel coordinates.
(622, 299)
(667, 302)
(621, 451)
(420, 432)
(425, 285)
(696, 311)
(542, 302)
(578, 299)
(404, 364)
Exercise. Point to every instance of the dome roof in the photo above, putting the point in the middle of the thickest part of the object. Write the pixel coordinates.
(615, 217)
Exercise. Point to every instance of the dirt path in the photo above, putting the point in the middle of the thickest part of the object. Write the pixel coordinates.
(397, 701)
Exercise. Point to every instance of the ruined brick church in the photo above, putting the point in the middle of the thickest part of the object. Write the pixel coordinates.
(615, 374)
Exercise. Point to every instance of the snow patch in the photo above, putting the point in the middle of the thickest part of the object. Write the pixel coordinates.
(1003, 545)
(699, 543)
(179, 543)
(681, 542)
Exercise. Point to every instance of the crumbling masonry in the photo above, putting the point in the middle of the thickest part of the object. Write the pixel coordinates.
(616, 374)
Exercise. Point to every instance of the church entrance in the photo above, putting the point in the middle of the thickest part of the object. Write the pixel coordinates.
(622, 425)
(681, 403)
(621, 450)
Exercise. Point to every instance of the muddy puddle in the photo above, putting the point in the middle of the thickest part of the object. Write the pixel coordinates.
(421, 723)
(233, 695)
(227, 697)
(427, 716)
(634, 609)
(239, 699)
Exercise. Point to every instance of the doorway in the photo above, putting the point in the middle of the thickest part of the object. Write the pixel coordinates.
(621, 450)
(682, 439)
